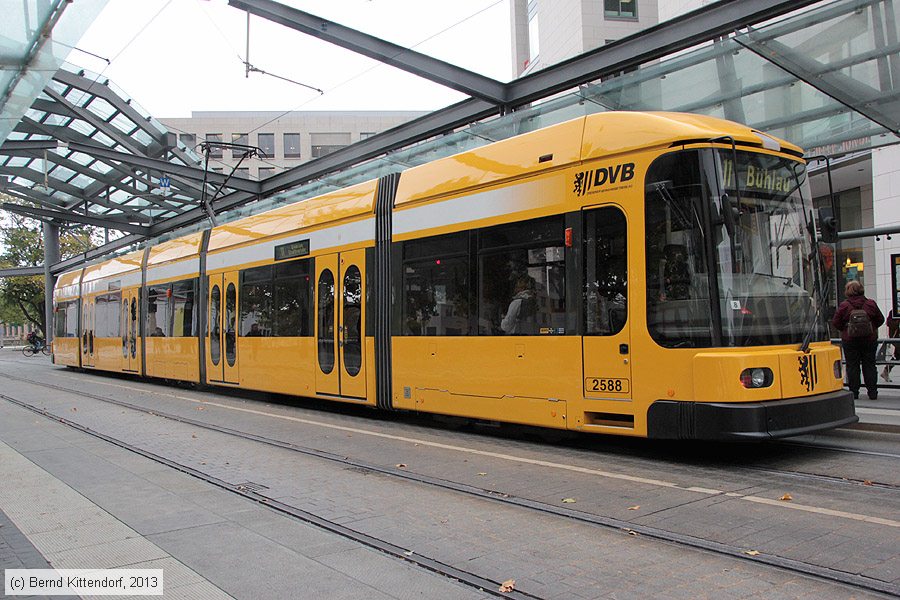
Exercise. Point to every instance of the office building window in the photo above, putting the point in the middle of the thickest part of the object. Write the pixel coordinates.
(188, 139)
(266, 143)
(326, 143)
(292, 145)
(238, 138)
(214, 138)
(620, 8)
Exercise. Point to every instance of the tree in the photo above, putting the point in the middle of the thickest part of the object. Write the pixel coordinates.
(22, 245)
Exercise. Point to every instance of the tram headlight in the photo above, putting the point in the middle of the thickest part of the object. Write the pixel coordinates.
(757, 378)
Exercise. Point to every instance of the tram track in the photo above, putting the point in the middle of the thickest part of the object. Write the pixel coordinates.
(626, 527)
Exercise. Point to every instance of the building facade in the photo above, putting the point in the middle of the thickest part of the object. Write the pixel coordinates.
(545, 32)
(286, 138)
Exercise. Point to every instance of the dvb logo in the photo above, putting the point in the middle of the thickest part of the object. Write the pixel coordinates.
(588, 180)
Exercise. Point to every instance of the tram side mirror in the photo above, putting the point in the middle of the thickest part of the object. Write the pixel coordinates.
(827, 225)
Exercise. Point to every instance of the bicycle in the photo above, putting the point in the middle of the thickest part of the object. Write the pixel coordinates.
(32, 349)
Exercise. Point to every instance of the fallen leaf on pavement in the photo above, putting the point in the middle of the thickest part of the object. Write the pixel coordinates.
(867, 482)
(752, 552)
(568, 500)
(787, 498)
(401, 465)
(482, 474)
(635, 507)
(507, 586)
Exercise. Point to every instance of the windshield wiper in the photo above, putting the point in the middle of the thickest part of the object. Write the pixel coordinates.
(788, 281)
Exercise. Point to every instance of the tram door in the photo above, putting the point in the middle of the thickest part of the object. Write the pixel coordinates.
(221, 338)
(340, 324)
(131, 359)
(87, 332)
(607, 341)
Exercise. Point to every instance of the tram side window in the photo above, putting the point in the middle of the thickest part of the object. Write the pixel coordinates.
(113, 322)
(436, 299)
(605, 272)
(59, 329)
(521, 278)
(100, 317)
(293, 290)
(158, 311)
(182, 300)
(256, 302)
(678, 306)
(72, 318)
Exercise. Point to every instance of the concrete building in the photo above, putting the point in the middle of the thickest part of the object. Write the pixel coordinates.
(545, 32)
(287, 138)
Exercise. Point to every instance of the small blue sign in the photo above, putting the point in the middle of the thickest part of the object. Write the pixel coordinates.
(164, 182)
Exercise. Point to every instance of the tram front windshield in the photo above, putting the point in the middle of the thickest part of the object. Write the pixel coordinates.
(740, 235)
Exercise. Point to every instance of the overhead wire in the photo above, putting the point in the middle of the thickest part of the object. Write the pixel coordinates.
(379, 65)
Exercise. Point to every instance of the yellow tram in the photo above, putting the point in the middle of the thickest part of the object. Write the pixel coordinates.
(644, 274)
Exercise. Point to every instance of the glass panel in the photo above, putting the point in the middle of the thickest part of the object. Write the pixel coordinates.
(765, 263)
(124, 325)
(256, 303)
(99, 317)
(292, 145)
(678, 308)
(266, 143)
(215, 302)
(158, 311)
(292, 299)
(326, 321)
(71, 319)
(59, 329)
(113, 320)
(238, 138)
(101, 108)
(605, 272)
(352, 317)
(522, 288)
(134, 318)
(230, 323)
(436, 296)
(215, 152)
(183, 308)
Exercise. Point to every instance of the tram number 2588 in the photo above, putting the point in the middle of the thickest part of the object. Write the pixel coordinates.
(605, 385)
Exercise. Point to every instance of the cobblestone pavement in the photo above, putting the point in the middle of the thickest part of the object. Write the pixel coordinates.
(548, 556)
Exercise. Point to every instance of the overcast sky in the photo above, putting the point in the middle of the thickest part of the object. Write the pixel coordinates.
(177, 56)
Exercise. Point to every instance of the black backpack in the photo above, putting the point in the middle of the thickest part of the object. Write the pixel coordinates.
(859, 326)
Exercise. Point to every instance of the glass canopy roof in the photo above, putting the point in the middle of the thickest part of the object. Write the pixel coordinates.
(78, 148)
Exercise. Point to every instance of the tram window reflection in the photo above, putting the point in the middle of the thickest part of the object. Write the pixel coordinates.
(522, 282)
(436, 298)
(606, 274)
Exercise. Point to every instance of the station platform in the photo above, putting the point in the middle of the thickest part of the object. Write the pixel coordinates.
(237, 495)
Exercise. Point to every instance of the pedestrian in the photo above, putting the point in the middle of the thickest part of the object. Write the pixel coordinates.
(858, 319)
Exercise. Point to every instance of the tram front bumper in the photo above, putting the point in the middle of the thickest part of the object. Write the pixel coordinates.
(672, 419)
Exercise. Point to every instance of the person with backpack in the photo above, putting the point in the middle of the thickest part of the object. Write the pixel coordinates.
(858, 319)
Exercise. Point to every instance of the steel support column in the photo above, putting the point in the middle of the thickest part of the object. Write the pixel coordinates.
(51, 257)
